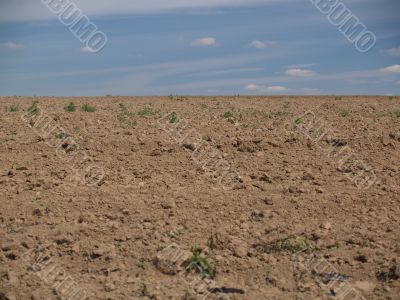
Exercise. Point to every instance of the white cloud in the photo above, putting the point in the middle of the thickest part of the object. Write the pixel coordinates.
(252, 87)
(391, 69)
(300, 66)
(263, 88)
(205, 42)
(276, 88)
(300, 73)
(394, 51)
(12, 45)
(260, 45)
(87, 49)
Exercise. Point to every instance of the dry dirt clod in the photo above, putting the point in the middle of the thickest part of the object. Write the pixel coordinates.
(361, 258)
(172, 259)
(218, 241)
(109, 286)
(293, 189)
(365, 286)
(37, 212)
(326, 225)
(168, 204)
(240, 248)
(269, 200)
(265, 178)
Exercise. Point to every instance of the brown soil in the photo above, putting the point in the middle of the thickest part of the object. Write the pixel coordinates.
(109, 234)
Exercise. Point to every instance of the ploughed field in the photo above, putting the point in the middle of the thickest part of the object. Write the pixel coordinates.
(200, 198)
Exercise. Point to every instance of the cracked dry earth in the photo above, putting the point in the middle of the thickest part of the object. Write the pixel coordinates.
(109, 239)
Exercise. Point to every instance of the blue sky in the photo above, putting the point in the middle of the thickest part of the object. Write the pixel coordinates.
(220, 47)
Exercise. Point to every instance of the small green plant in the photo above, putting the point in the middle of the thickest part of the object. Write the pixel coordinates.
(34, 109)
(338, 98)
(13, 108)
(125, 117)
(206, 268)
(291, 244)
(336, 244)
(140, 263)
(265, 115)
(171, 97)
(173, 118)
(88, 108)
(241, 117)
(228, 115)
(145, 291)
(291, 137)
(397, 113)
(390, 98)
(71, 107)
(61, 135)
(344, 113)
(147, 111)
(297, 121)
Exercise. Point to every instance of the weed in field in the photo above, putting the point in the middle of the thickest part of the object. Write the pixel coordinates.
(13, 108)
(265, 115)
(61, 135)
(391, 98)
(291, 244)
(34, 109)
(125, 117)
(206, 268)
(336, 245)
(140, 263)
(397, 113)
(177, 98)
(297, 121)
(145, 291)
(338, 98)
(240, 118)
(147, 111)
(88, 108)
(291, 137)
(344, 113)
(71, 107)
(173, 118)
(228, 115)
